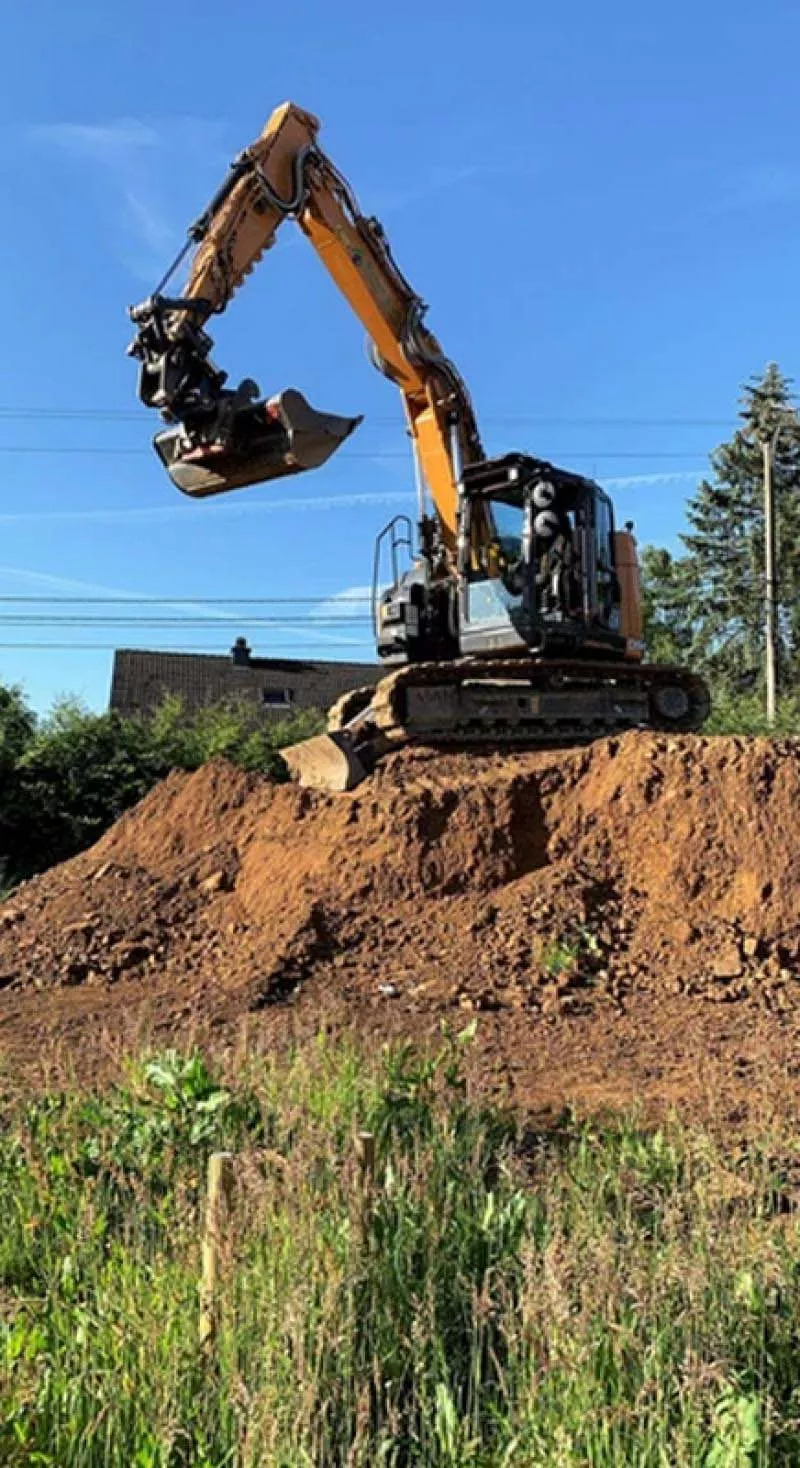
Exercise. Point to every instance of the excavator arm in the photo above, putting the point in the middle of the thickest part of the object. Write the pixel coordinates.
(225, 438)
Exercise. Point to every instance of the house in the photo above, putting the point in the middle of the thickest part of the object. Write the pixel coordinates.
(273, 686)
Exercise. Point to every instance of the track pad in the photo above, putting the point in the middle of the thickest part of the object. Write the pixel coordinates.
(267, 440)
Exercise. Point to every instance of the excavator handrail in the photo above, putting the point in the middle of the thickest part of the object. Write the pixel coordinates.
(407, 539)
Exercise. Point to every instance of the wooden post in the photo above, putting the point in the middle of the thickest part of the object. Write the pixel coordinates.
(219, 1198)
(365, 1152)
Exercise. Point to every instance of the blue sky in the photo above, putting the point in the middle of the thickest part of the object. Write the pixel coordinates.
(600, 204)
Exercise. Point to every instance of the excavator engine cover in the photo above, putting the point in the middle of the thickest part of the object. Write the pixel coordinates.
(264, 441)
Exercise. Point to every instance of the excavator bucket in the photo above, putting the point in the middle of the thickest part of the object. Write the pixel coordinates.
(268, 440)
(325, 762)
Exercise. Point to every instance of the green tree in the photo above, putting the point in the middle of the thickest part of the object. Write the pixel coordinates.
(64, 780)
(706, 607)
(76, 776)
(668, 606)
(17, 730)
(17, 727)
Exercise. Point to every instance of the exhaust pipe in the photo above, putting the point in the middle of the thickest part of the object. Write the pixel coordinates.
(266, 440)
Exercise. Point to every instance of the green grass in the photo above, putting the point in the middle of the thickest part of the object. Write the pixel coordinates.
(597, 1295)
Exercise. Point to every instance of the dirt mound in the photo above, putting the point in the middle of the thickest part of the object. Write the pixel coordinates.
(593, 904)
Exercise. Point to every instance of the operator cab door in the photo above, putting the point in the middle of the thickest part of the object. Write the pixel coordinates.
(494, 592)
(603, 582)
(545, 581)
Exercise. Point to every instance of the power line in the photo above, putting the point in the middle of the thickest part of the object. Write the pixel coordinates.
(117, 452)
(71, 621)
(196, 600)
(128, 415)
(217, 651)
(287, 623)
(685, 599)
(81, 415)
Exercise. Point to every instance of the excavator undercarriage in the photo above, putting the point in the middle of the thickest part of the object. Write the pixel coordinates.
(498, 703)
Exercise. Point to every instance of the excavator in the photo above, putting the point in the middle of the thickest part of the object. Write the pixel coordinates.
(512, 615)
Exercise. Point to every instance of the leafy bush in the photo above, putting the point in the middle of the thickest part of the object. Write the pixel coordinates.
(17, 727)
(745, 714)
(65, 779)
(17, 730)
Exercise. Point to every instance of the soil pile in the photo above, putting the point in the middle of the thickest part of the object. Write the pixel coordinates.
(626, 899)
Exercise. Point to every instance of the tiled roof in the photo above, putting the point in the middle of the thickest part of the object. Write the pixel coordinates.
(140, 680)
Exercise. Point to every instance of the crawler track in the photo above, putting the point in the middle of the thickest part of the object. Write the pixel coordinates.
(527, 702)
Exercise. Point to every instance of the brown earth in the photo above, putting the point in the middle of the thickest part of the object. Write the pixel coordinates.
(623, 921)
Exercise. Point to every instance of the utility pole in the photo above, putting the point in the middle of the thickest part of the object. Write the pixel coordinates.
(770, 599)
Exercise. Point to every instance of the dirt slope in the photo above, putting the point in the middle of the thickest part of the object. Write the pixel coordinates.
(624, 919)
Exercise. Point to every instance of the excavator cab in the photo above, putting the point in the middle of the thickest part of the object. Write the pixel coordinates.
(536, 572)
(546, 580)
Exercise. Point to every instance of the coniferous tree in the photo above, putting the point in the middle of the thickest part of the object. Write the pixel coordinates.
(668, 607)
(707, 606)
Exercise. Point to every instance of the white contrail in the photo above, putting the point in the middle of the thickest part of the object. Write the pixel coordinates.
(68, 583)
(126, 152)
(225, 618)
(630, 481)
(175, 512)
(93, 588)
(297, 502)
